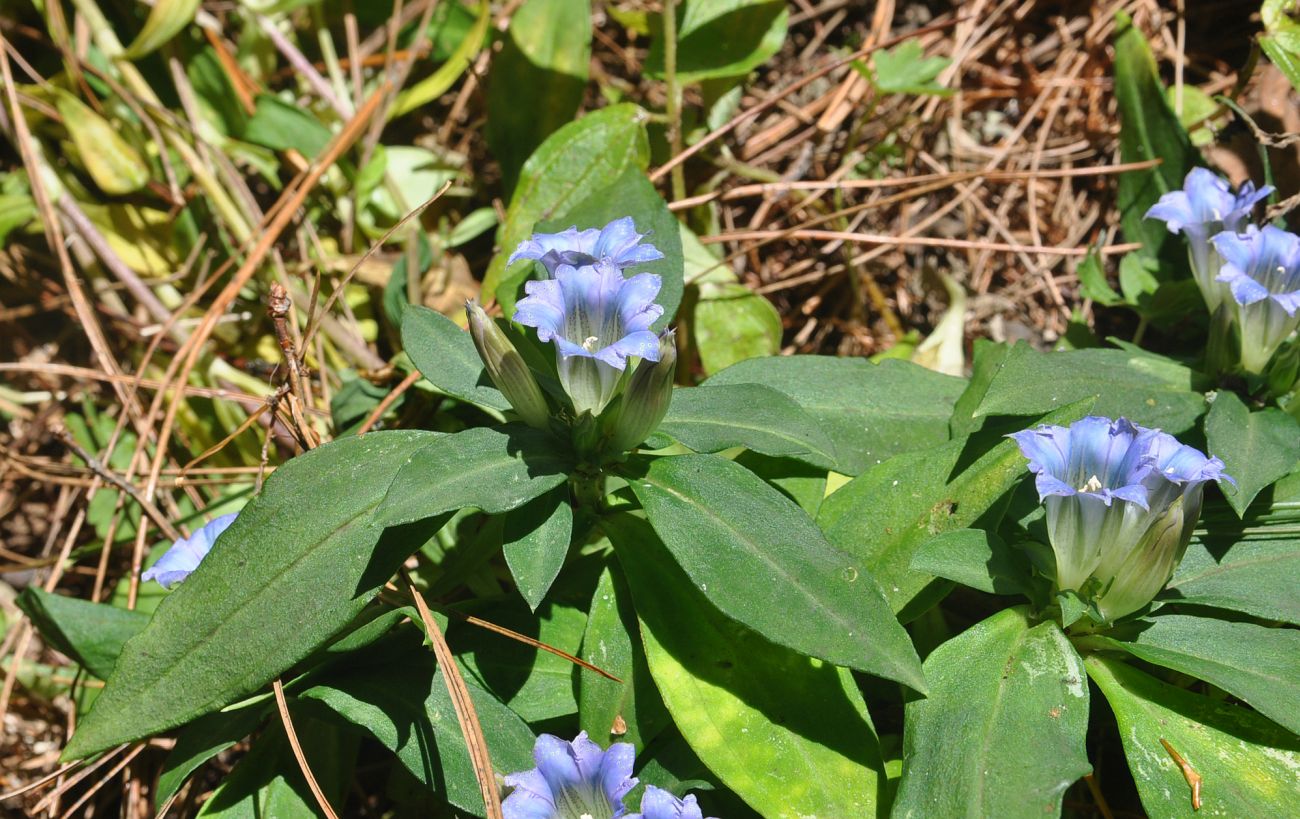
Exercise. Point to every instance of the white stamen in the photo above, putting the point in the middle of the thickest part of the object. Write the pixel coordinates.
(590, 343)
(1218, 217)
(1092, 485)
(1281, 270)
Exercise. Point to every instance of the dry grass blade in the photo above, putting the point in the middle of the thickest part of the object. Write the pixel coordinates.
(45, 780)
(68, 784)
(921, 241)
(108, 777)
(513, 635)
(294, 744)
(465, 713)
(286, 209)
(535, 643)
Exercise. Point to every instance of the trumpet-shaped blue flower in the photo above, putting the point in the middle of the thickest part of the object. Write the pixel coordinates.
(572, 780)
(1121, 503)
(658, 803)
(186, 554)
(1262, 270)
(597, 320)
(1203, 208)
(617, 245)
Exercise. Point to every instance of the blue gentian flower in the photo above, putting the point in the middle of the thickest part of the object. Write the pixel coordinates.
(617, 244)
(1262, 270)
(572, 780)
(597, 320)
(1121, 503)
(1205, 207)
(186, 554)
(658, 803)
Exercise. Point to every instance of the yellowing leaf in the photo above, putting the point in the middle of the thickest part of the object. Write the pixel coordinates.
(114, 165)
(140, 236)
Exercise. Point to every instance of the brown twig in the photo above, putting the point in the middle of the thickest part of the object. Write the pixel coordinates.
(387, 401)
(278, 305)
(150, 509)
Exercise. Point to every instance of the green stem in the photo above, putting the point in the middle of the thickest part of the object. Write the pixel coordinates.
(588, 490)
(674, 96)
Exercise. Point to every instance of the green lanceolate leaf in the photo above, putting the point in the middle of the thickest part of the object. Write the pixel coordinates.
(733, 323)
(1002, 730)
(90, 633)
(394, 692)
(1257, 448)
(987, 360)
(1247, 764)
(975, 558)
(1254, 574)
(870, 411)
(297, 565)
(711, 419)
(1144, 388)
(884, 515)
(1245, 565)
(612, 644)
(537, 79)
(495, 469)
(203, 739)
(1287, 61)
(631, 194)
(790, 735)
(110, 160)
(722, 38)
(800, 482)
(761, 560)
(281, 125)
(1093, 284)
(536, 684)
(445, 355)
(441, 81)
(581, 157)
(1148, 130)
(536, 541)
(165, 20)
(1258, 664)
(268, 782)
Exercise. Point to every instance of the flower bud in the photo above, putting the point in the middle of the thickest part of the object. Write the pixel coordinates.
(1121, 504)
(1284, 369)
(1205, 206)
(507, 368)
(1129, 584)
(1262, 271)
(596, 316)
(646, 399)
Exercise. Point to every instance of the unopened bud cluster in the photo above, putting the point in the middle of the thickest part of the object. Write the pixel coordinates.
(1121, 501)
(1248, 276)
(599, 321)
